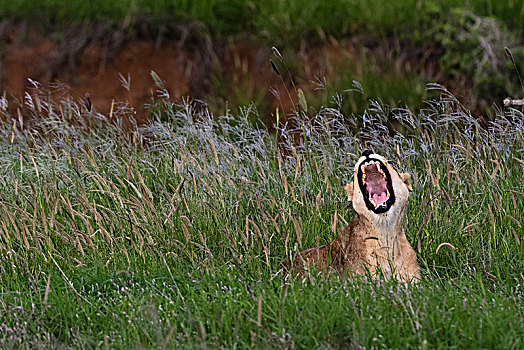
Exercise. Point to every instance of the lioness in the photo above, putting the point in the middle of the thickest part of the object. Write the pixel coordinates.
(375, 239)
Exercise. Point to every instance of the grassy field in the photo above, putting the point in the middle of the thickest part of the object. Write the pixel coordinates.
(284, 21)
(171, 234)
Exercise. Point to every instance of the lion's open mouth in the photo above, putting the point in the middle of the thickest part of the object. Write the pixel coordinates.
(375, 183)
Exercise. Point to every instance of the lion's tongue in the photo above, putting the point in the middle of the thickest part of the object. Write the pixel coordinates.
(379, 199)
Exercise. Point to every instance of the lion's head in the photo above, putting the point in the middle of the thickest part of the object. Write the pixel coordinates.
(378, 191)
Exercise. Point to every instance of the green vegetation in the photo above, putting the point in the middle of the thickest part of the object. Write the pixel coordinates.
(456, 42)
(114, 235)
(171, 234)
(284, 21)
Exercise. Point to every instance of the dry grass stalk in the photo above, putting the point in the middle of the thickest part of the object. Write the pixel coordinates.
(446, 245)
(511, 102)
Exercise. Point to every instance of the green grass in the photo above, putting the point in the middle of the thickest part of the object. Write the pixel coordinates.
(361, 83)
(281, 21)
(357, 83)
(171, 234)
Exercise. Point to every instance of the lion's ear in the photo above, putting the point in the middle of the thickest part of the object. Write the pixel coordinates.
(349, 191)
(406, 178)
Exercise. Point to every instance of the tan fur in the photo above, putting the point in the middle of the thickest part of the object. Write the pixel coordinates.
(371, 242)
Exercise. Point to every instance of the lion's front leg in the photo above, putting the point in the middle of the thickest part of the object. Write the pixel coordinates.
(408, 270)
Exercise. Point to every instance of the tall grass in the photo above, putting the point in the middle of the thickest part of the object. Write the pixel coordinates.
(171, 234)
(282, 21)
